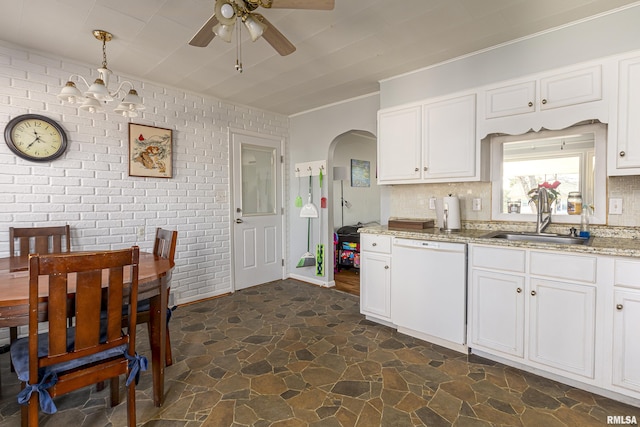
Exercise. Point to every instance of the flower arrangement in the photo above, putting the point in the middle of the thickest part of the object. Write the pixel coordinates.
(552, 191)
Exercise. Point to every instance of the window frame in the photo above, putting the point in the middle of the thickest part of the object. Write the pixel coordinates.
(600, 174)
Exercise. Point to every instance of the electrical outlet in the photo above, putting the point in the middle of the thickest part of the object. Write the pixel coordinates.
(141, 231)
(615, 206)
(477, 205)
(432, 203)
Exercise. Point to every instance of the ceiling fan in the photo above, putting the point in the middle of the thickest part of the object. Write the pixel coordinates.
(227, 12)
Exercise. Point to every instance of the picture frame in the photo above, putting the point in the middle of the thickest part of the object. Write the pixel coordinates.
(150, 151)
(360, 173)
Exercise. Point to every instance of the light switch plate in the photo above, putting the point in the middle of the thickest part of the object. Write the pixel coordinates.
(615, 206)
(477, 205)
(432, 203)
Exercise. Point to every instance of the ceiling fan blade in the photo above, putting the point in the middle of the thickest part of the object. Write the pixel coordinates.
(206, 34)
(303, 4)
(275, 38)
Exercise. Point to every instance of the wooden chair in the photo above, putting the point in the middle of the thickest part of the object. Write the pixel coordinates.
(165, 247)
(41, 240)
(96, 349)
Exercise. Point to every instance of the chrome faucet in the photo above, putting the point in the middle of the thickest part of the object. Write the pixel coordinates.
(542, 208)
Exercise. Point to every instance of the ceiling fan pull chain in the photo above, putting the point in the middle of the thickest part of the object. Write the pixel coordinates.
(239, 48)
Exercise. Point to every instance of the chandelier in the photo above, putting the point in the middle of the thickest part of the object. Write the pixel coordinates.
(98, 93)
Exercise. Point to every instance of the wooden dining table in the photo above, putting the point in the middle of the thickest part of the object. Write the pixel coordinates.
(154, 273)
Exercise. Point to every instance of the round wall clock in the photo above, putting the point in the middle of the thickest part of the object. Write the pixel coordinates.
(35, 137)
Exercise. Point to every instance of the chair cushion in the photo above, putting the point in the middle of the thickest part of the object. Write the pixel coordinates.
(20, 355)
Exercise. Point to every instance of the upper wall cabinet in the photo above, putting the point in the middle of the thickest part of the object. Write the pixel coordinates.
(624, 132)
(551, 101)
(431, 142)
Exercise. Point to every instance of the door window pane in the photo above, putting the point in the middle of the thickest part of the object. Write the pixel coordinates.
(258, 180)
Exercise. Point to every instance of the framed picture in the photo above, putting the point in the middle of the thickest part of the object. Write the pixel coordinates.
(150, 151)
(360, 173)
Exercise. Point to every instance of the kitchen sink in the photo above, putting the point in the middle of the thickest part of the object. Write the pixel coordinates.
(539, 238)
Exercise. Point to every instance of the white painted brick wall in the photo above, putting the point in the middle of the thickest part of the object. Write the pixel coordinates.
(89, 187)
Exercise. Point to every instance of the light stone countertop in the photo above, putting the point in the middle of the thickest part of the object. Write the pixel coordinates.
(608, 243)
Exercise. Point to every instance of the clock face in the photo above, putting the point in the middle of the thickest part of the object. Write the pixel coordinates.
(35, 137)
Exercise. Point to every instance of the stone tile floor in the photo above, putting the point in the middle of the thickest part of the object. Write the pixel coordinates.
(291, 354)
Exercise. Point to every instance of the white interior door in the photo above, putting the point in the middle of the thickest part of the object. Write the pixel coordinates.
(256, 210)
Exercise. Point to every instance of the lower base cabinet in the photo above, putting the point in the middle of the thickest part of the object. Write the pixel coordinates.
(626, 339)
(562, 326)
(375, 276)
(497, 312)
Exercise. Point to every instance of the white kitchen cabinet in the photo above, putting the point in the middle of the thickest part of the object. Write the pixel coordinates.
(496, 310)
(400, 144)
(562, 325)
(536, 308)
(553, 100)
(375, 277)
(626, 345)
(624, 133)
(449, 149)
(434, 141)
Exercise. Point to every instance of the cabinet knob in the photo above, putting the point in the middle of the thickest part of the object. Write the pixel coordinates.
(530, 104)
(374, 244)
(425, 168)
(622, 153)
(544, 101)
(619, 306)
(417, 169)
(519, 290)
(533, 293)
(386, 267)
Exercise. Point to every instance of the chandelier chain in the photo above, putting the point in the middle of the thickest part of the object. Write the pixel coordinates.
(104, 53)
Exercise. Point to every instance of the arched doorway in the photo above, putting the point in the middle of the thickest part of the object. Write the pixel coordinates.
(351, 203)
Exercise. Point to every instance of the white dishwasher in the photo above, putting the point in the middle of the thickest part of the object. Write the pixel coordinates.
(428, 291)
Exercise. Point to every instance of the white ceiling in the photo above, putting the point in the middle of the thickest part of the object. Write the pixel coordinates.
(340, 54)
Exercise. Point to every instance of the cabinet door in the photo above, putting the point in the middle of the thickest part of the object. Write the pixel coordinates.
(510, 100)
(626, 345)
(399, 145)
(375, 285)
(627, 153)
(562, 326)
(497, 312)
(575, 87)
(449, 129)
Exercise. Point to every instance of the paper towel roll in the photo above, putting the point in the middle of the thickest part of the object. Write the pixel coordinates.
(451, 204)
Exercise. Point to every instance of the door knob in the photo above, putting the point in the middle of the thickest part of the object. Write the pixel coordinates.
(239, 221)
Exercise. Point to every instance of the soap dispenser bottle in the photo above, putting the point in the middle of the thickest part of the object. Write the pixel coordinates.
(584, 223)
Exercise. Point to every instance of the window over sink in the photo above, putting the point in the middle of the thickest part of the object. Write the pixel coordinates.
(568, 160)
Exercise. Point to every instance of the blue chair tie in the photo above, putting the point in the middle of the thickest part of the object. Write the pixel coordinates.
(136, 364)
(46, 402)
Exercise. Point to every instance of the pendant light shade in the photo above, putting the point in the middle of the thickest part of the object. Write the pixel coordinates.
(70, 93)
(91, 105)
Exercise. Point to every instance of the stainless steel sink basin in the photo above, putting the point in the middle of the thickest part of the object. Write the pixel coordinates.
(539, 238)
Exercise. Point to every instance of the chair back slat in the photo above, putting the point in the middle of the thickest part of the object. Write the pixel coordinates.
(92, 273)
(42, 240)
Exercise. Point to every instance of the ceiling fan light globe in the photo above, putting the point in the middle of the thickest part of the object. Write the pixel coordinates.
(224, 32)
(225, 12)
(254, 26)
